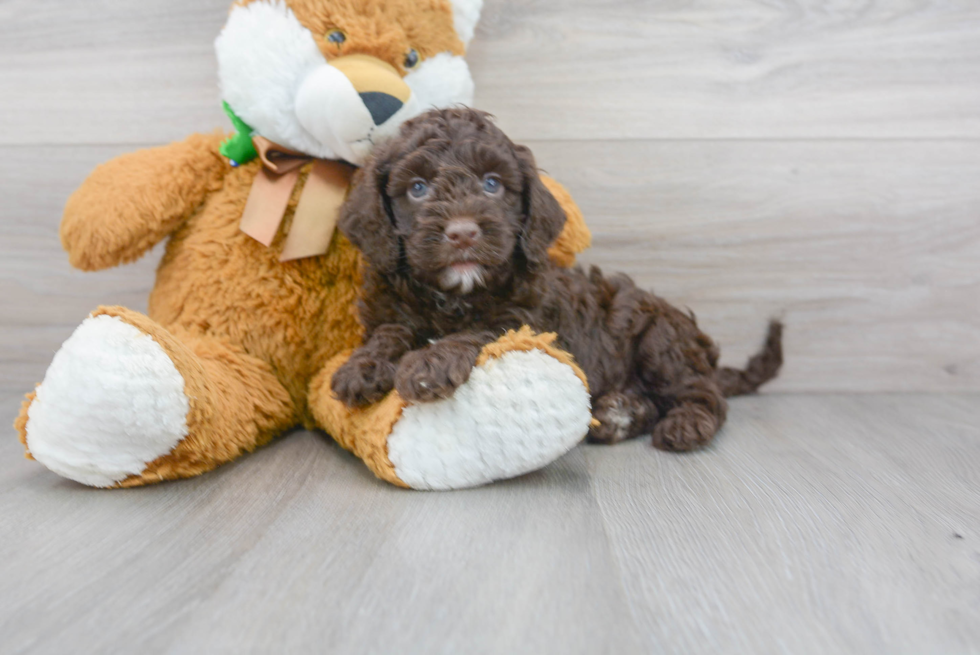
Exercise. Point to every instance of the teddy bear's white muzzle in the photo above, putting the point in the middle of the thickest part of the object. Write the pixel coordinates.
(333, 111)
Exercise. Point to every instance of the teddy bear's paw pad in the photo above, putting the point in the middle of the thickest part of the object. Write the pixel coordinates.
(111, 402)
(516, 414)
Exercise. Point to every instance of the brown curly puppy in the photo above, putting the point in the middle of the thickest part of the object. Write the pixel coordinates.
(455, 226)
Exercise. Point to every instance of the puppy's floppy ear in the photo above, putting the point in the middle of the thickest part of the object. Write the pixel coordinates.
(366, 218)
(544, 219)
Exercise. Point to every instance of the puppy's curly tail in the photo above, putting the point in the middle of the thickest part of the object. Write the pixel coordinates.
(762, 368)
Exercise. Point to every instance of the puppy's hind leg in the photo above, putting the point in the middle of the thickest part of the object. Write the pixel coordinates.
(622, 415)
(676, 362)
(692, 422)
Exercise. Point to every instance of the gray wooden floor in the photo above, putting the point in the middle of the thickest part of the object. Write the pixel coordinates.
(814, 525)
(813, 160)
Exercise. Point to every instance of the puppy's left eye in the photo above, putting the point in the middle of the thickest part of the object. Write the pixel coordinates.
(492, 185)
(418, 189)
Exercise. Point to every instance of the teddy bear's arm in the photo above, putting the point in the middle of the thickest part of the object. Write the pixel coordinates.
(576, 237)
(131, 203)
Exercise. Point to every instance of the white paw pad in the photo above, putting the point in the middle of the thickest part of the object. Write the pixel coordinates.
(111, 402)
(516, 414)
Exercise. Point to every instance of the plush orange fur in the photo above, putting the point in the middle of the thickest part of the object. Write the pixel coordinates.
(386, 29)
(20, 423)
(576, 237)
(247, 332)
(131, 203)
(525, 340)
(363, 432)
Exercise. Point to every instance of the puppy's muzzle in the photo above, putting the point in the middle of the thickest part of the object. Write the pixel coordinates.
(463, 233)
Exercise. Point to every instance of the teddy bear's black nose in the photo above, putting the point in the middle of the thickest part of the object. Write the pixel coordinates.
(381, 105)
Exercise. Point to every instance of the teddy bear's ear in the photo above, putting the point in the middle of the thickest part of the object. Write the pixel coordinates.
(466, 14)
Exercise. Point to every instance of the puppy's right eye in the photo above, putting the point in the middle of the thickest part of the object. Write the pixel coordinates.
(418, 189)
(492, 185)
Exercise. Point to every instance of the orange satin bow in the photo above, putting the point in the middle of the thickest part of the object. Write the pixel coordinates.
(315, 220)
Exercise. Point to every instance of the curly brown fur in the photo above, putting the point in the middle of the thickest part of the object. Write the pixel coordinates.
(455, 226)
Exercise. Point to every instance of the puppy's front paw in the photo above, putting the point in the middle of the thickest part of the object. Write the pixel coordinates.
(363, 381)
(434, 373)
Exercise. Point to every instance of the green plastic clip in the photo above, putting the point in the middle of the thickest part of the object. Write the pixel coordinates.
(239, 148)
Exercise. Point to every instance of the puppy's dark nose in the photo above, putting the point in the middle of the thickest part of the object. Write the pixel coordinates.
(463, 232)
(381, 105)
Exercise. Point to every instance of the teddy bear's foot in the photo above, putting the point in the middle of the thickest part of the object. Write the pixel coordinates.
(127, 402)
(515, 415)
(111, 401)
(524, 406)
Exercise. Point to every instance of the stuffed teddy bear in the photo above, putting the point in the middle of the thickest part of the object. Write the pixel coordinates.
(254, 303)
